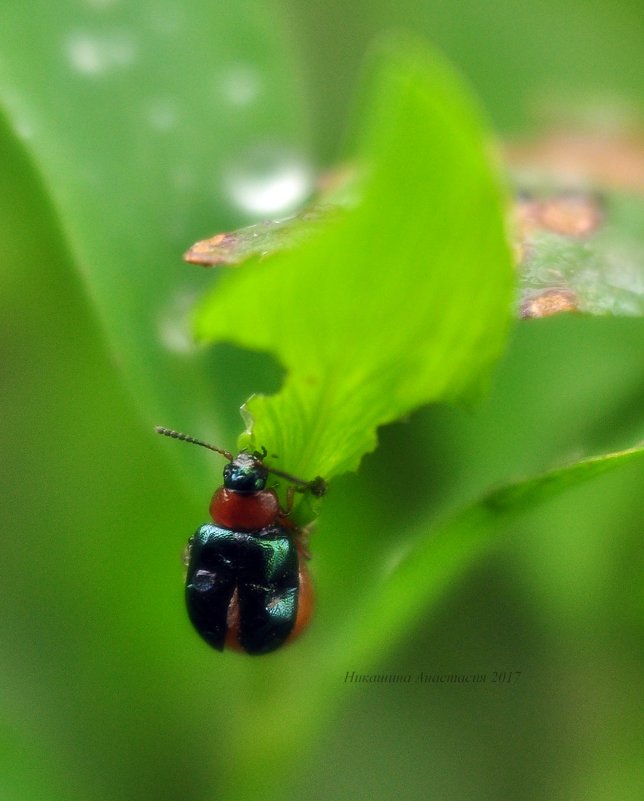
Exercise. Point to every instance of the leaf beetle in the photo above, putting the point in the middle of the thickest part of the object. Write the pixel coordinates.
(248, 587)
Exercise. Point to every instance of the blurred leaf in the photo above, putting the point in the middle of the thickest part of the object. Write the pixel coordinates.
(579, 220)
(147, 120)
(403, 301)
(578, 227)
(338, 190)
(581, 251)
(437, 556)
(261, 239)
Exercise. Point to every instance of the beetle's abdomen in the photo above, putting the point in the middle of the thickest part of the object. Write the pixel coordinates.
(262, 567)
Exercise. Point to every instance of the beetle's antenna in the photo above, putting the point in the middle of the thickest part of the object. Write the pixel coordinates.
(168, 432)
(316, 487)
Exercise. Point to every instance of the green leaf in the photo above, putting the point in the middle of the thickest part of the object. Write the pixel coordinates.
(441, 554)
(147, 121)
(581, 251)
(403, 301)
(415, 580)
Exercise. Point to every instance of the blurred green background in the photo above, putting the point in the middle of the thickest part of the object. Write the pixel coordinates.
(127, 132)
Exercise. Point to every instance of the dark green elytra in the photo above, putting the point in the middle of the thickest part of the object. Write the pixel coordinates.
(262, 566)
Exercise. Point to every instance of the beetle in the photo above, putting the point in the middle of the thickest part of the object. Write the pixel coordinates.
(248, 587)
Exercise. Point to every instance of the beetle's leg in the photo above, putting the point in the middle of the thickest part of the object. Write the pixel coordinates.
(317, 487)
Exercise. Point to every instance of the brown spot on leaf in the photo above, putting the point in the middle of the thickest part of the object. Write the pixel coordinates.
(212, 252)
(567, 213)
(547, 303)
(572, 215)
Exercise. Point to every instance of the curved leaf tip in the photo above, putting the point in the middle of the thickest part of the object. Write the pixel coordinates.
(404, 300)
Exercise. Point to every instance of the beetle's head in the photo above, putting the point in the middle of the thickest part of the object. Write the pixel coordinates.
(246, 473)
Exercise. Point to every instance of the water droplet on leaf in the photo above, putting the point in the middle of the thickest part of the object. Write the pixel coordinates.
(269, 181)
